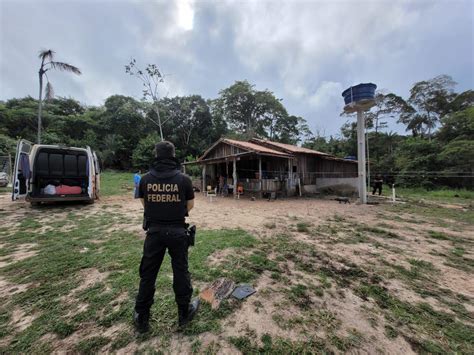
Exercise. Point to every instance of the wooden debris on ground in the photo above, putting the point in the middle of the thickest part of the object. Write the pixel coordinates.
(217, 292)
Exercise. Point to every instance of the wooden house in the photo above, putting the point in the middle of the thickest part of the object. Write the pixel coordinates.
(262, 166)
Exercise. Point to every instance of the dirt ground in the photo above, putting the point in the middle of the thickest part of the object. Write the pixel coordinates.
(377, 239)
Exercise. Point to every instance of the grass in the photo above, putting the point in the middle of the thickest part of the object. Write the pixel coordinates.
(441, 195)
(450, 335)
(54, 272)
(4, 190)
(303, 227)
(444, 217)
(116, 183)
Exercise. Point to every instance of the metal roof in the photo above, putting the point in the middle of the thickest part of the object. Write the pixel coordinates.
(288, 147)
(249, 146)
(266, 147)
(254, 147)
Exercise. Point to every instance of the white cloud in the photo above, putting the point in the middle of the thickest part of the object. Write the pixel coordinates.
(185, 14)
(306, 52)
(326, 94)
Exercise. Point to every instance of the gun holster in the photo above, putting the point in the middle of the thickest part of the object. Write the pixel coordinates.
(191, 234)
(146, 224)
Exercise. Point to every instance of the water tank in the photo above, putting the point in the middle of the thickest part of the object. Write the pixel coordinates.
(359, 92)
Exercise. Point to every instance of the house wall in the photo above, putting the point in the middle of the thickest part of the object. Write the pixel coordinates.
(224, 150)
(344, 184)
(316, 173)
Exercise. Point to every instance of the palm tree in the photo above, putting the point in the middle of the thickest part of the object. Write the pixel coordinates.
(47, 63)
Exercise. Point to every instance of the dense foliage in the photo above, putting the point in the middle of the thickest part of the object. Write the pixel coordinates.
(439, 150)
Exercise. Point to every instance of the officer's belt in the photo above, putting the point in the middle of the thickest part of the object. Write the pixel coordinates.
(155, 227)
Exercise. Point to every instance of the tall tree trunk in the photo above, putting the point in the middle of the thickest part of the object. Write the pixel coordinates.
(157, 111)
(376, 140)
(40, 102)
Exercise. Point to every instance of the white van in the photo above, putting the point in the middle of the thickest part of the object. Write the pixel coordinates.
(47, 173)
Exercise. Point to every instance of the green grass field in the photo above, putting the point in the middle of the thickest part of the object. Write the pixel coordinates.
(462, 196)
(116, 183)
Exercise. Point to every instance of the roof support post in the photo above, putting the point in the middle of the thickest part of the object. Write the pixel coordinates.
(290, 175)
(204, 187)
(234, 176)
(260, 174)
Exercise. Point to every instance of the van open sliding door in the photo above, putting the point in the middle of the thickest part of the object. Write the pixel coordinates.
(22, 173)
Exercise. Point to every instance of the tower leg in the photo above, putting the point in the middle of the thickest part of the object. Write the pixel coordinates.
(361, 157)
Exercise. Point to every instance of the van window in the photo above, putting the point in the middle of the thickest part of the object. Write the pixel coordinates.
(42, 164)
(56, 164)
(82, 165)
(70, 165)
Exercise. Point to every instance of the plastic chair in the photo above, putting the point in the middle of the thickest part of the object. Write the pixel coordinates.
(240, 191)
(211, 192)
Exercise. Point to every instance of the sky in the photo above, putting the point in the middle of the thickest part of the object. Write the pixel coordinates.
(306, 52)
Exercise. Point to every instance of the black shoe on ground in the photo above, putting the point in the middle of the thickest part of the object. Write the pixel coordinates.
(141, 322)
(186, 312)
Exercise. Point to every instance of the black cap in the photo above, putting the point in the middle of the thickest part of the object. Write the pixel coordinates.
(164, 149)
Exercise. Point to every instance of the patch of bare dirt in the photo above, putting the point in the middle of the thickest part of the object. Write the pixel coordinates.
(257, 310)
(67, 345)
(122, 298)
(20, 320)
(89, 278)
(8, 289)
(351, 310)
(21, 252)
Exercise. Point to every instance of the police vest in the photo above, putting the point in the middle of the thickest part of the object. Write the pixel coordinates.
(165, 197)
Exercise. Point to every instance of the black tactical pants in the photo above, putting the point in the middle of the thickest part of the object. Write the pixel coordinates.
(377, 186)
(175, 240)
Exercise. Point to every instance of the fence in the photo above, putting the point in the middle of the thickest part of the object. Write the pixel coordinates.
(6, 166)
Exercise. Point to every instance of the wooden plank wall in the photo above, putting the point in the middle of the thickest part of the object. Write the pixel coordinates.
(223, 150)
(311, 167)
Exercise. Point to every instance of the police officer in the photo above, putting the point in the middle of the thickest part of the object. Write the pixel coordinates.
(167, 196)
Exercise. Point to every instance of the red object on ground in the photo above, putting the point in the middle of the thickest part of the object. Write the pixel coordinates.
(68, 190)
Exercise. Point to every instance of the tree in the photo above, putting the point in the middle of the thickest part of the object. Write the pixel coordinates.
(386, 106)
(123, 119)
(193, 129)
(151, 78)
(19, 119)
(459, 125)
(457, 161)
(143, 154)
(47, 63)
(429, 100)
(238, 106)
(7, 145)
(417, 161)
(252, 113)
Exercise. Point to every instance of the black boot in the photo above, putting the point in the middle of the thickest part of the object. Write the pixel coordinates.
(141, 322)
(186, 312)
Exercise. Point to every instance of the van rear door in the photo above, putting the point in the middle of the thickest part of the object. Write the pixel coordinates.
(90, 173)
(22, 170)
(97, 174)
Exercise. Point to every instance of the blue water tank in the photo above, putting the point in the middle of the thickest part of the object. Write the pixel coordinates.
(359, 92)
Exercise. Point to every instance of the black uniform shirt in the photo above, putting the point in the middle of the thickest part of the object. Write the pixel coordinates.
(165, 194)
